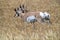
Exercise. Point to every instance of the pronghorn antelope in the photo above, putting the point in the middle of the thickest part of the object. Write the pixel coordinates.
(22, 12)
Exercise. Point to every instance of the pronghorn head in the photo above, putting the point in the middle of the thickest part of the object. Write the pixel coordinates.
(20, 10)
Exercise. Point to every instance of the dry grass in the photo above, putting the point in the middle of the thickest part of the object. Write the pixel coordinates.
(13, 28)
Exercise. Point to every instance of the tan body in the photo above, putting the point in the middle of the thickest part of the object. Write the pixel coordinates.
(25, 15)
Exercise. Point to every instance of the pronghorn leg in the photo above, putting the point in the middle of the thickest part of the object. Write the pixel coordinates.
(33, 25)
(50, 22)
(42, 19)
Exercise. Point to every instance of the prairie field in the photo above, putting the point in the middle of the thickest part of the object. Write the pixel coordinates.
(14, 28)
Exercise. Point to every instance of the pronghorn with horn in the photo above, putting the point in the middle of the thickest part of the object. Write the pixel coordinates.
(22, 12)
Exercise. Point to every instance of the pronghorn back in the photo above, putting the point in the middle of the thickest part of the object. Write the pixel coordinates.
(25, 15)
